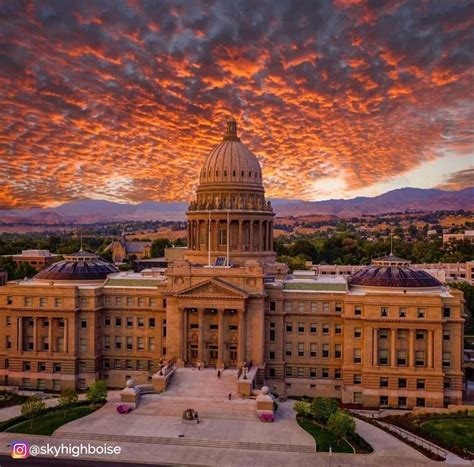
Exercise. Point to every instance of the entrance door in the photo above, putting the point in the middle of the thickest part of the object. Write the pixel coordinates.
(193, 353)
(213, 354)
(233, 355)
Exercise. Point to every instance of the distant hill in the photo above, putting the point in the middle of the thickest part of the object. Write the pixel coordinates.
(90, 211)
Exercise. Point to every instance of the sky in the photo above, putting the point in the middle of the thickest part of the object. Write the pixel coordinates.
(123, 100)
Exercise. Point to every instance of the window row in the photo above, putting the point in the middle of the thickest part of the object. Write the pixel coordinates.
(301, 349)
(312, 328)
(130, 343)
(313, 307)
(132, 301)
(301, 372)
(129, 322)
(117, 364)
(214, 327)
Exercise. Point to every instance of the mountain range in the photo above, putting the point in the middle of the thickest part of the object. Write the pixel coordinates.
(90, 211)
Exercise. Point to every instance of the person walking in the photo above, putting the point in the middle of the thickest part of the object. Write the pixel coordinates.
(219, 374)
(199, 366)
(230, 396)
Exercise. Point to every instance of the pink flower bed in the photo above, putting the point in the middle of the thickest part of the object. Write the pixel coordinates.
(124, 409)
(266, 417)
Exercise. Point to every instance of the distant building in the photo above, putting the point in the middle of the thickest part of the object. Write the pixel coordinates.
(122, 250)
(38, 259)
(171, 254)
(467, 235)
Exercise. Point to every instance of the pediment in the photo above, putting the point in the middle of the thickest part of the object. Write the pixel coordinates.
(213, 288)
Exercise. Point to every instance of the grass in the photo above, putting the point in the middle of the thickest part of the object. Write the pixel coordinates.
(454, 432)
(323, 437)
(48, 423)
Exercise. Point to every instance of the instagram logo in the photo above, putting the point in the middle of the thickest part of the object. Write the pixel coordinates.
(19, 450)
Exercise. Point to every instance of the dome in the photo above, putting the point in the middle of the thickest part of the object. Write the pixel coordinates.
(231, 162)
(391, 271)
(80, 266)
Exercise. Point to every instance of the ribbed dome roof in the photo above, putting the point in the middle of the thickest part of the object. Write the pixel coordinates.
(391, 271)
(231, 162)
(80, 266)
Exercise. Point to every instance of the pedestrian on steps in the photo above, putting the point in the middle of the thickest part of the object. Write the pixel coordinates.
(219, 374)
(230, 396)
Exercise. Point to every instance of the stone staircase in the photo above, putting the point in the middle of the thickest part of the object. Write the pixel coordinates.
(201, 443)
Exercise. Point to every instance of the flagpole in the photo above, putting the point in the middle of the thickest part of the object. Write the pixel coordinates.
(209, 240)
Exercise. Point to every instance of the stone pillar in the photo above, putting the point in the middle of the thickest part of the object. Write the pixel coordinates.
(184, 349)
(251, 234)
(180, 337)
(240, 246)
(267, 236)
(189, 235)
(393, 351)
(411, 348)
(198, 235)
(201, 335)
(271, 236)
(376, 346)
(66, 335)
(430, 349)
(438, 349)
(20, 333)
(35, 334)
(220, 340)
(50, 334)
(260, 237)
(242, 353)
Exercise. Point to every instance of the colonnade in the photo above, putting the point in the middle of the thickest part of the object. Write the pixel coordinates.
(52, 347)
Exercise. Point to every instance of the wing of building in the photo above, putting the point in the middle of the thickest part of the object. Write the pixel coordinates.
(390, 335)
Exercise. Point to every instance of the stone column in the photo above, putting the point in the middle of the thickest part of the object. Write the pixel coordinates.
(220, 340)
(271, 235)
(411, 348)
(198, 235)
(267, 236)
(376, 346)
(20, 333)
(240, 246)
(189, 235)
(242, 353)
(251, 234)
(201, 335)
(184, 349)
(35, 334)
(260, 236)
(438, 349)
(393, 351)
(66, 335)
(430, 349)
(180, 336)
(50, 334)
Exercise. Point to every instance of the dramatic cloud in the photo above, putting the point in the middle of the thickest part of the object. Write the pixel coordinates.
(122, 100)
(459, 180)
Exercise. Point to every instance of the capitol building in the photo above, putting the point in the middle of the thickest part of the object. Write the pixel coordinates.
(387, 336)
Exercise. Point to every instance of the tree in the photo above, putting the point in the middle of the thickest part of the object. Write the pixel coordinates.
(32, 407)
(24, 270)
(468, 291)
(158, 247)
(323, 407)
(97, 392)
(302, 408)
(341, 424)
(68, 397)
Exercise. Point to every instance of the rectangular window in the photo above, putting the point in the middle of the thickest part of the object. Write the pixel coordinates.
(300, 372)
(107, 301)
(383, 357)
(129, 322)
(9, 300)
(271, 355)
(338, 328)
(338, 307)
(129, 343)
(118, 322)
(163, 328)
(325, 373)
(420, 384)
(401, 357)
(141, 322)
(43, 302)
(141, 302)
(421, 313)
(325, 350)
(151, 322)
(358, 310)
(118, 342)
(56, 367)
(357, 333)
(129, 301)
(28, 301)
(312, 350)
(420, 335)
(9, 320)
(129, 365)
(383, 334)
(357, 379)
(107, 321)
(402, 334)
(106, 364)
(301, 307)
(384, 312)
(383, 401)
(140, 345)
(151, 344)
(289, 327)
(312, 372)
(271, 335)
(402, 383)
(325, 329)
(272, 306)
(446, 359)
(338, 351)
(402, 312)
(26, 366)
(118, 301)
(271, 372)
(383, 382)
(300, 349)
(446, 335)
(58, 301)
(288, 307)
(152, 302)
(357, 356)
(420, 358)
(214, 327)
(420, 401)
(314, 307)
(447, 383)
(446, 312)
(337, 373)
(357, 398)
(83, 345)
(402, 402)
(60, 344)
(41, 366)
(300, 327)
(288, 349)
(233, 327)
(326, 307)
(106, 342)
(117, 364)
(83, 323)
(313, 328)
(288, 371)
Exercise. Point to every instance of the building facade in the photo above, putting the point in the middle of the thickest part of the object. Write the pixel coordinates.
(390, 335)
(38, 259)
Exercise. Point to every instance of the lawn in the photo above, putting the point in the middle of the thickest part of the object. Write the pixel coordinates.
(455, 432)
(324, 438)
(48, 423)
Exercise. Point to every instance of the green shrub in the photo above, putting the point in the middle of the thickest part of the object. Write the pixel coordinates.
(322, 408)
(97, 392)
(32, 407)
(302, 408)
(68, 397)
(341, 424)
